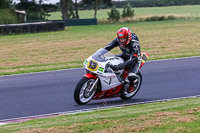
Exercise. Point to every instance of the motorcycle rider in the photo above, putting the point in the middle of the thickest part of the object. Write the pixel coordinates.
(129, 45)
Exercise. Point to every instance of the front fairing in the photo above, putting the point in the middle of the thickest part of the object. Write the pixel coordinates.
(97, 62)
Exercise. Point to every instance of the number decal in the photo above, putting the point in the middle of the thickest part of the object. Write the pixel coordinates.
(92, 65)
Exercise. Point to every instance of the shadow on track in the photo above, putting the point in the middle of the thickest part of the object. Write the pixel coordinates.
(113, 102)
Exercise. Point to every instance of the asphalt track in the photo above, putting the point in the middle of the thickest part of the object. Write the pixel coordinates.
(50, 92)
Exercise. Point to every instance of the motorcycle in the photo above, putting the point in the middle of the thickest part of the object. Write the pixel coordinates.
(100, 81)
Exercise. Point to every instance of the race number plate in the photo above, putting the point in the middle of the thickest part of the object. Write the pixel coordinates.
(92, 65)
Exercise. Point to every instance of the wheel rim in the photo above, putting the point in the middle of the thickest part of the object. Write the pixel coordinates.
(85, 96)
(136, 87)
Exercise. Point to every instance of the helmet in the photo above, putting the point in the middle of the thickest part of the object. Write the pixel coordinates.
(124, 36)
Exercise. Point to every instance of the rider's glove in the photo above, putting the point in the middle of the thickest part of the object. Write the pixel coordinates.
(114, 67)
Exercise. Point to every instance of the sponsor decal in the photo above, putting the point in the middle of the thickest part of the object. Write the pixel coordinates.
(85, 62)
(101, 69)
(144, 57)
(107, 82)
(111, 76)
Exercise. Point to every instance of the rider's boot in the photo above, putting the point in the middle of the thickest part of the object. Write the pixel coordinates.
(131, 89)
(132, 82)
(126, 85)
(132, 86)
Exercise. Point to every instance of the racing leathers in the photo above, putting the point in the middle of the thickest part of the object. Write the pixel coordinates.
(130, 54)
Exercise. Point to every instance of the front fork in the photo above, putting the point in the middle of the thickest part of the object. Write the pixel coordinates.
(92, 76)
(95, 83)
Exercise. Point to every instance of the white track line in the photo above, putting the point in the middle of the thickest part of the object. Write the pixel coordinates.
(174, 59)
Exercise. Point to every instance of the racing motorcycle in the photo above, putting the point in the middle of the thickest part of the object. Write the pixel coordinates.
(100, 81)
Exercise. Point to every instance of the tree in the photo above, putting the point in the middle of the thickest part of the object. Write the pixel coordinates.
(67, 9)
(76, 8)
(5, 4)
(96, 4)
(71, 12)
(114, 14)
(64, 9)
(127, 11)
(34, 11)
(7, 12)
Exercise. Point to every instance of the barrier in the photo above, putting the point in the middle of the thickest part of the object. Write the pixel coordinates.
(76, 22)
(72, 22)
(32, 27)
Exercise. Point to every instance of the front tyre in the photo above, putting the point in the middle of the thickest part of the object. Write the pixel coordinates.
(82, 94)
(136, 88)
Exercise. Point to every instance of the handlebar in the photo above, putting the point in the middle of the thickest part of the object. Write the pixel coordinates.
(108, 65)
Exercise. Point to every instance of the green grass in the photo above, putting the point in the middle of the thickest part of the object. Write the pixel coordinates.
(172, 116)
(184, 11)
(68, 49)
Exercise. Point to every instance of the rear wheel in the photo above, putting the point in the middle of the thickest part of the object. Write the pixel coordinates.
(136, 87)
(82, 94)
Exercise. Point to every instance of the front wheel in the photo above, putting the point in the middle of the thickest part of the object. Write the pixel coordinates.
(82, 94)
(137, 85)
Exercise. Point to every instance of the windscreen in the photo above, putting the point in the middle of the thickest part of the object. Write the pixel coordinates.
(101, 55)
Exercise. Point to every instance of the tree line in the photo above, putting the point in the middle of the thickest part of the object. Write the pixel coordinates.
(69, 8)
(39, 11)
(7, 12)
(155, 3)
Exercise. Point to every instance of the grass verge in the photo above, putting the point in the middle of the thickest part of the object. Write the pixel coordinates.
(172, 116)
(68, 49)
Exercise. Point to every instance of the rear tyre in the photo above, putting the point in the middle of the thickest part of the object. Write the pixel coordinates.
(82, 95)
(136, 88)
